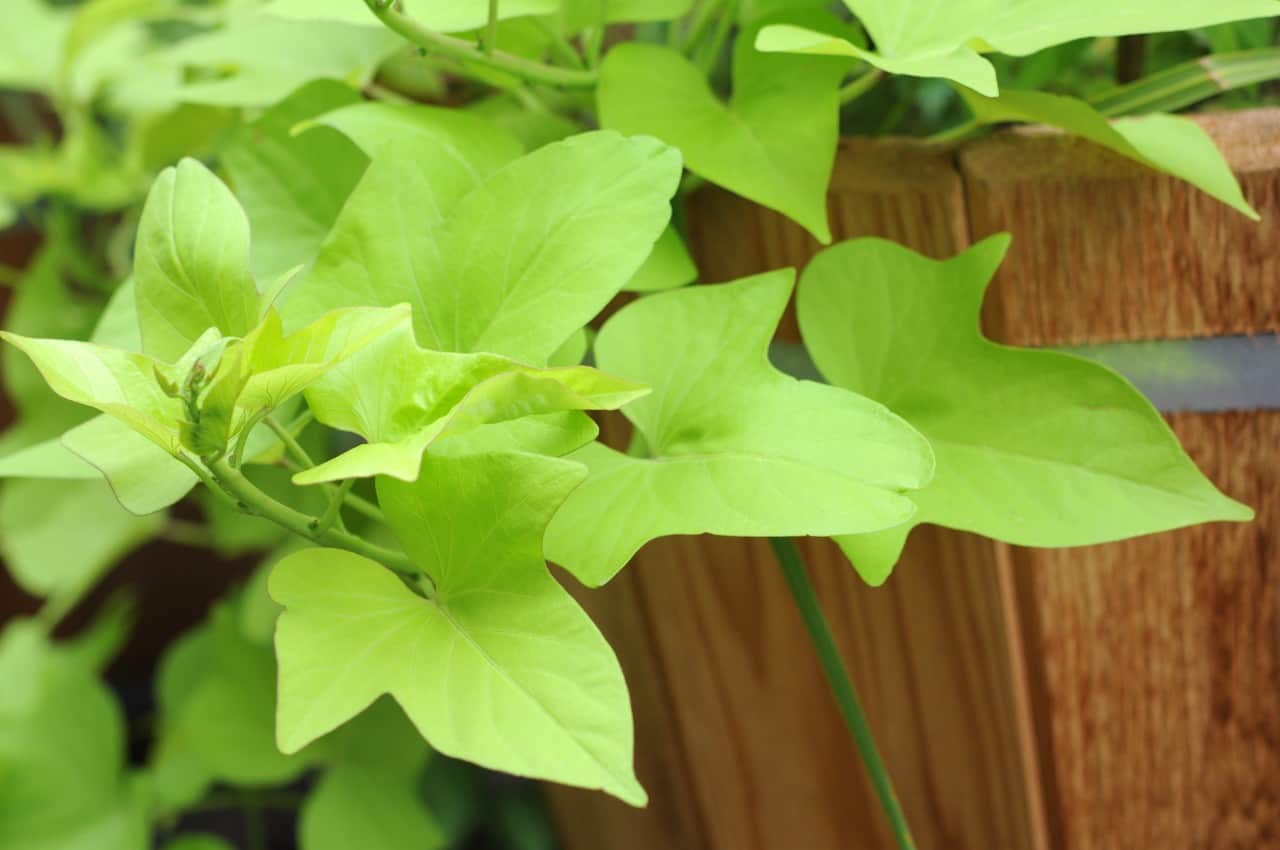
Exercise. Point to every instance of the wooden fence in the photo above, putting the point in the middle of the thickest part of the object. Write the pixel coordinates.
(1120, 697)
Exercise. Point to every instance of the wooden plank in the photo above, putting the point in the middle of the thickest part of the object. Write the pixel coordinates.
(1154, 664)
(1106, 250)
(766, 760)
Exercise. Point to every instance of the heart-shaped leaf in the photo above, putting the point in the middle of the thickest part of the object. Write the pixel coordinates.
(1035, 448)
(734, 446)
(499, 666)
(513, 263)
(774, 142)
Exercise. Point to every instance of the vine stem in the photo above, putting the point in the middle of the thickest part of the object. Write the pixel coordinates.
(456, 48)
(254, 501)
(860, 85)
(491, 32)
(841, 685)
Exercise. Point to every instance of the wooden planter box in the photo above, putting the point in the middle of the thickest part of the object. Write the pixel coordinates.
(1121, 697)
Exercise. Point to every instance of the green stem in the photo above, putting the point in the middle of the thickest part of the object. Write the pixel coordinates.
(291, 444)
(358, 504)
(254, 501)
(559, 45)
(841, 685)
(860, 85)
(720, 36)
(958, 133)
(332, 516)
(456, 48)
(56, 608)
(702, 20)
(491, 31)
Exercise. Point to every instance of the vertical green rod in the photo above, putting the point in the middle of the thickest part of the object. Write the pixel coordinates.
(491, 31)
(841, 685)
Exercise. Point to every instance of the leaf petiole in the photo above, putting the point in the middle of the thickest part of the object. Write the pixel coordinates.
(456, 48)
(256, 502)
(841, 685)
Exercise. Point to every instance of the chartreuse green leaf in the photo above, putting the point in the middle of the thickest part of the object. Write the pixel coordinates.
(580, 14)
(40, 551)
(31, 44)
(267, 368)
(258, 60)
(143, 477)
(361, 806)
(191, 266)
(1166, 143)
(515, 265)
(403, 398)
(1035, 448)
(216, 695)
(370, 795)
(774, 142)
(735, 447)
(119, 383)
(292, 185)
(499, 666)
(473, 146)
(439, 15)
(62, 740)
(930, 38)
(668, 267)
(45, 304)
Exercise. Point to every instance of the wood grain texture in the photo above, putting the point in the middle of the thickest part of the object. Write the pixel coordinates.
(1156, 666)
(1105, 250)
(1153, 664)
(723, 659)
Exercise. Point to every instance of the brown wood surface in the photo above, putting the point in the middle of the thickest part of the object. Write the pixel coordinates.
(1106, 250)
(1123, 697)
(712, 645)
(1154, 664)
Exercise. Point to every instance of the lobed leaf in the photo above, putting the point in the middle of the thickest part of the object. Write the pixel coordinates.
(513, 262)
(1036, 448)
(735, 447)
(499, 666)
(774, 142)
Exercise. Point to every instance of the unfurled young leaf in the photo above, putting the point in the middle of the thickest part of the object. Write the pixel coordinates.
(774, 142)
(1035, 448)
(514, 265)
(1166, 143)
(191, 268)
(267, 368)
(930, 38)
(119, 383)
(499, 666)
(403, 398)
(735, 447)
